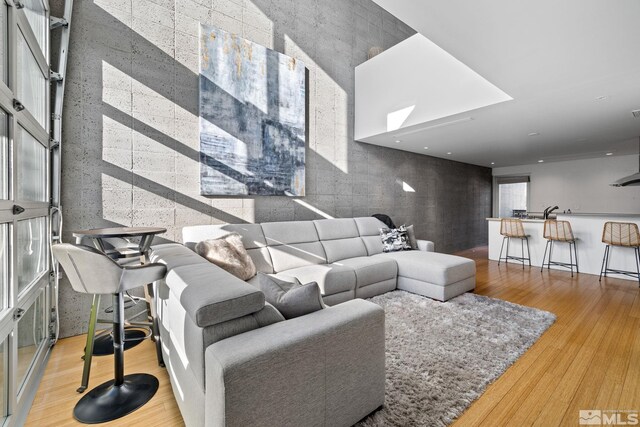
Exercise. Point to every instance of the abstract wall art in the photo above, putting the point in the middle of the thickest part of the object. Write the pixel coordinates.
(252, 118)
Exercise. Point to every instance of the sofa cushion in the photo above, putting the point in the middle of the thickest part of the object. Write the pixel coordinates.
(295, 255)
(373, 244)
(292, 299)
(340, 239)
(340, 249)
(252, 235)
(228, 253)
(369, 230)
(293, 244)
(210, 295)
(287, 232)
(432, 267)
(252, 239)
(331, 229)
(331, 278)
(175, 255)
(369, 226)
(370, 270)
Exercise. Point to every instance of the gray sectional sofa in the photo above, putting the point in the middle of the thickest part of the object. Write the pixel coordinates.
(234, 360)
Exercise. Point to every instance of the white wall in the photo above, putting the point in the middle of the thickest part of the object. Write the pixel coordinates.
(580, 185)
(397, 88)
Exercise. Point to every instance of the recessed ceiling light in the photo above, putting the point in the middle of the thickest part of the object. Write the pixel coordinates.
(398, 141)
(493, 163)
(601, 97)
(534, 134)
(426, 148)
(449, 152)
(540, 161)
(609, 154)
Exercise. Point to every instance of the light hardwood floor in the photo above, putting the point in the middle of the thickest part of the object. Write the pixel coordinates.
(587, 360)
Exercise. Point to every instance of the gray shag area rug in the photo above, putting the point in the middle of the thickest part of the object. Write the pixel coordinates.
(440, 357)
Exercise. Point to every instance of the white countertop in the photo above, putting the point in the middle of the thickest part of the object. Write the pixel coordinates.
(524, 220)
(600, 215)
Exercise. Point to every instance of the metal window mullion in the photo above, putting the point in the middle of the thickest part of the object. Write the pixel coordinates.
(12, 43)
(12, 341)
(30, 293)
(32, 212)
(6, 97)
(29, 123)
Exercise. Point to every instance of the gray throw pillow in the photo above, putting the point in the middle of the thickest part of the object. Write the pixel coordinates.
(412, 236)
(291, 299)
(228, 253)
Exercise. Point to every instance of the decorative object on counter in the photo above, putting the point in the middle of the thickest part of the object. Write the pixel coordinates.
(519, 213)
(511, 228)
(559, 231)
(621, 234)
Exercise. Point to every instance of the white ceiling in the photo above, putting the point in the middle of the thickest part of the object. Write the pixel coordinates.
(555, 59)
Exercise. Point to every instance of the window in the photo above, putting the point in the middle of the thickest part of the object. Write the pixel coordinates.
(36, 15)
(31, 251)
(513, 194)
(3, 41)
(31, 335)
(32, 168)
(4, 156)
(32, 84)
(25, 290)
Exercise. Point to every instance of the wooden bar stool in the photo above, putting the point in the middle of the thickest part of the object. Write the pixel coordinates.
(622, 234)
(512, 228)
(559, 231)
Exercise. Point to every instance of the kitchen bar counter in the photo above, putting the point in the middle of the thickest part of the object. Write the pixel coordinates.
(587, 228)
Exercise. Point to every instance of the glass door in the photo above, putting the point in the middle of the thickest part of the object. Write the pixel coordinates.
(25, 305)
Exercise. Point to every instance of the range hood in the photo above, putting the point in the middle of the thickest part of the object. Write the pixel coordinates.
(631, 179)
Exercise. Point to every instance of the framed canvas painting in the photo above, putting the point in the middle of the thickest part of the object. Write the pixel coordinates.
(252, 118)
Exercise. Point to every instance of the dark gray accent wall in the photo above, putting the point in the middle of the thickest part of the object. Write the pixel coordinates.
(130, 133)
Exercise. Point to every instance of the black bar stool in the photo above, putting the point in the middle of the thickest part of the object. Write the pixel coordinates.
(512, 228)
(123, 252)
(125, 393)
(559, 231)
(622, 234)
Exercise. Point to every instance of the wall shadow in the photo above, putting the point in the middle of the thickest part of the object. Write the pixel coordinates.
(138, 185)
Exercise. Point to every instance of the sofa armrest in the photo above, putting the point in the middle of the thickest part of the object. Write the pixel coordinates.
(426, 245)
(324, 368)
(210, 295)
